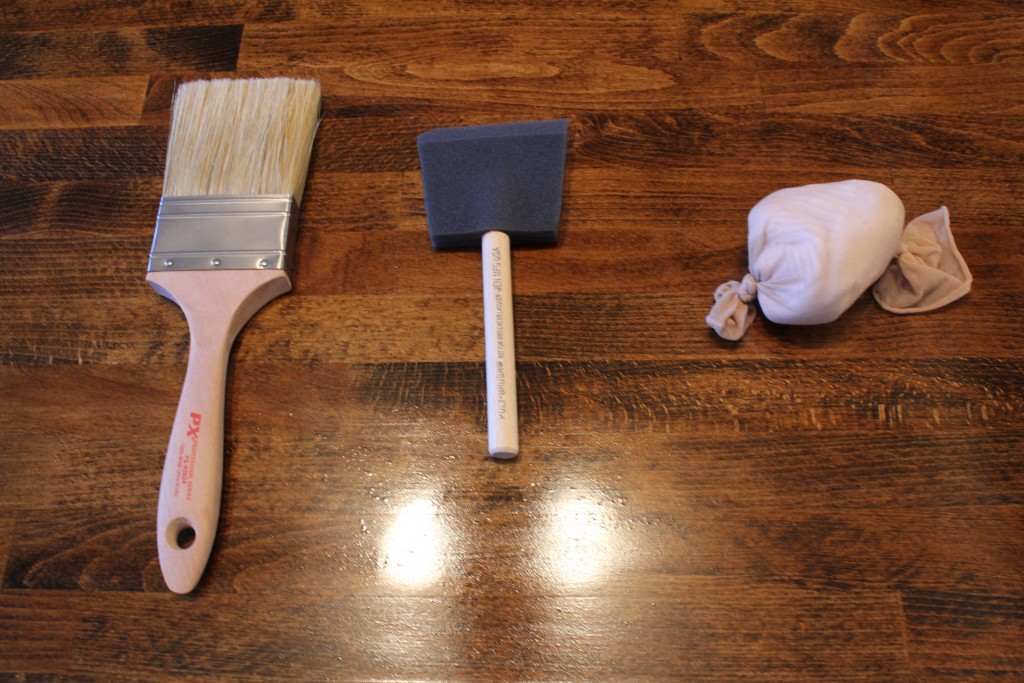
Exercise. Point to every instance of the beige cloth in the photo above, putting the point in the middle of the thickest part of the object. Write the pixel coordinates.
(814, 250)
(732, 314)
(929, 271)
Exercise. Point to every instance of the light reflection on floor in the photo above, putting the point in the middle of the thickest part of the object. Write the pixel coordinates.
(415, 544)
(556, 547)
(573, 542)
(577, 545)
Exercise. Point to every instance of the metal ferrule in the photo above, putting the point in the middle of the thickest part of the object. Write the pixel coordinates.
(227, 232)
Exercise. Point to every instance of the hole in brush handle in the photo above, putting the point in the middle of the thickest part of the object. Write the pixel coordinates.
(181, 534)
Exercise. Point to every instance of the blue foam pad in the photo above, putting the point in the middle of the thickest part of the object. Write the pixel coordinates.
(505, 176)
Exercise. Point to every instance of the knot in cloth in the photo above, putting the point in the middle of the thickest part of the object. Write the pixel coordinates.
(731, 316)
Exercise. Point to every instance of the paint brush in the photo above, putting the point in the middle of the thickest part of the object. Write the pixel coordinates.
(237, 159)
(492, 186)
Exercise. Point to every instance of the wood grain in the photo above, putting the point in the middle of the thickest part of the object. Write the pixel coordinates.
(68, 103)
(28, 15)
(44, 635)
(833, 503)
(67, 53)
(725, 625)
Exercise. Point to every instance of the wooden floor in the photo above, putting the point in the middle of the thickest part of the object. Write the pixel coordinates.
(836, 503)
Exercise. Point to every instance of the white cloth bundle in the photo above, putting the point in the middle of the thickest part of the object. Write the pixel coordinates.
(813, 250)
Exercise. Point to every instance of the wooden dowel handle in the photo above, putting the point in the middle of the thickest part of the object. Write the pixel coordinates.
(499, 342)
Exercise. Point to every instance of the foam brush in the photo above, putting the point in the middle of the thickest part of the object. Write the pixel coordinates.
(489, 187)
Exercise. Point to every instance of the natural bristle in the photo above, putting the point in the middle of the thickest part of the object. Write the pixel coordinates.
(241, 137)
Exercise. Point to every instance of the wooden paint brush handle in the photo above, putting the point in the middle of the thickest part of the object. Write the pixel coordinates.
(217, 304)
(499, 342)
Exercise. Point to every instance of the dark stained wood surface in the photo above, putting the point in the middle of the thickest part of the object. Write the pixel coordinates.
(837, 503)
